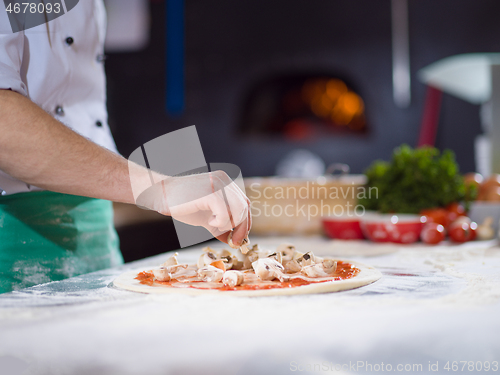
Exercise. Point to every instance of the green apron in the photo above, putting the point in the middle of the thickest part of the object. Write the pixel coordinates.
(46, 236)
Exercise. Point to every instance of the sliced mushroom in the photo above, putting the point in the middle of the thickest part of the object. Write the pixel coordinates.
(329, 265)
(209, 256)
(276, 256)
(323, 269)
(170, 270)
(292, 266)
(172, 261)
(210, 274)
(297, 255)
(314, 270)
(249, 258)
(162, 274)
(269, 269)
(287, 251)
(306, 259)
(228, 258)
(232, 278)
(244, 246)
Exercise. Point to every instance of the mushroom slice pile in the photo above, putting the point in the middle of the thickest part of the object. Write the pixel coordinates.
(285, 264)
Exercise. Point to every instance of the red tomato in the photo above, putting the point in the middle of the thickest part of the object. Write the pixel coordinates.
(462, 230)
(473, 229)
(436, 215)
(462, 219)
(433, 233)
(454, 211)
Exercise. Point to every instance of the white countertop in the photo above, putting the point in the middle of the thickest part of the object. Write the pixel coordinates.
(432, 306)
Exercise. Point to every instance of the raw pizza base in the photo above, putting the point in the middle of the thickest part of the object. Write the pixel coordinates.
(367, 275)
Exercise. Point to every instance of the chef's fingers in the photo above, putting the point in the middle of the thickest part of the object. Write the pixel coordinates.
(240, 233)
(221, 215)
(223, 237)
(210, 212)
(238, 204)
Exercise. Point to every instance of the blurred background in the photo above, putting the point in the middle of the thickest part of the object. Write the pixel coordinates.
(260, 79)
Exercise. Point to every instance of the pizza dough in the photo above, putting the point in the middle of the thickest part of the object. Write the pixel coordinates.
(367, 275)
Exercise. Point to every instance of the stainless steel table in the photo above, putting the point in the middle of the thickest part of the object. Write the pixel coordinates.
(434, 308)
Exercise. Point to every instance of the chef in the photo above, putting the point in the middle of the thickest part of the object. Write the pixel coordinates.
(59, 168)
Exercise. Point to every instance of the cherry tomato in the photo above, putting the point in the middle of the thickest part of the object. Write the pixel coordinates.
(455, 210)
(462, 219)
(436, 215)
(473, 229)
(433, 233)
(462, 230)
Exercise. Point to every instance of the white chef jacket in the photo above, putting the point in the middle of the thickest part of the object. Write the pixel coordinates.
(59, 66)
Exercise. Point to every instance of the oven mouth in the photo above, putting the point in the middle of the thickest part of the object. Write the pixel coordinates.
(302, 106)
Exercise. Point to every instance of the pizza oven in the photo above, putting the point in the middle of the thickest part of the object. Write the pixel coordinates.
(302, 106)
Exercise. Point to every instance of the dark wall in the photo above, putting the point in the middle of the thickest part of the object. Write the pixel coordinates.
(231, 44)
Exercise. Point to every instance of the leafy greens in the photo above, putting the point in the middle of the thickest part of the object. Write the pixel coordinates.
(415, 179)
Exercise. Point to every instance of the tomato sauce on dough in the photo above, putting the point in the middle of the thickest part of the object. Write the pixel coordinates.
(344, 271)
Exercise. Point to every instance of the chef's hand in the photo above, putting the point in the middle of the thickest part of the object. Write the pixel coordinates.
(211, 200)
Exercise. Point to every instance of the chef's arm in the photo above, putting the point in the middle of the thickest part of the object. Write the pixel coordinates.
(41, 151)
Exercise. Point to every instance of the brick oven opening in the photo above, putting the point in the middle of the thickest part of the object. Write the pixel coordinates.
(303, 106)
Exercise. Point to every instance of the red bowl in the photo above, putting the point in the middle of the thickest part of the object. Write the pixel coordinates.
(400, 228)
(343, 227)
